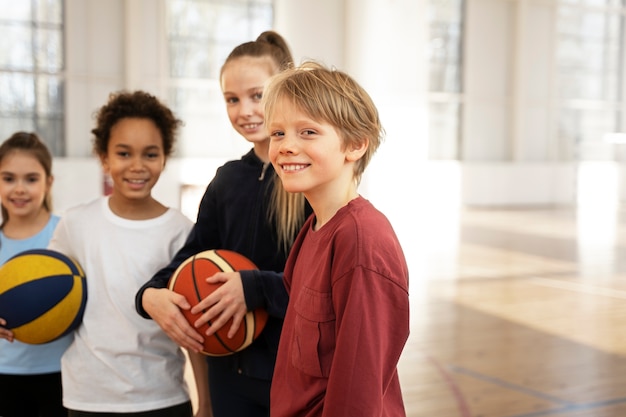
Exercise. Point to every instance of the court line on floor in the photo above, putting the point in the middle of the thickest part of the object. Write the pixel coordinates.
(574, 407)
(579, 287)
(566, 406)
(502, 383)
(461, 403)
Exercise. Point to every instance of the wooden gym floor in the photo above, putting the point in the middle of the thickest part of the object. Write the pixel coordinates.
(517, 313)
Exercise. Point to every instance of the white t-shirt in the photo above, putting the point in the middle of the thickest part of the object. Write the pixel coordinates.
(119, 361)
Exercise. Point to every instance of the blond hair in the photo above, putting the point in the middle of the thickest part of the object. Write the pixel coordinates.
(331, 96)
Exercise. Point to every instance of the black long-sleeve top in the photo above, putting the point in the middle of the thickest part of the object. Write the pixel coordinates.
(233, 215)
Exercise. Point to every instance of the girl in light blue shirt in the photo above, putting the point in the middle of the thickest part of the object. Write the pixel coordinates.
(30, 375)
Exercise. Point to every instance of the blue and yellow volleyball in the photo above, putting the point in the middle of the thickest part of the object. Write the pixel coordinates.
(42, 295)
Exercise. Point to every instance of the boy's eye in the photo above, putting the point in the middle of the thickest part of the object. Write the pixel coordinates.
(7, 178)
(32, 179)
(152, 155)
(257, 96)
(231, 100)
(277, 134)
(123, 154)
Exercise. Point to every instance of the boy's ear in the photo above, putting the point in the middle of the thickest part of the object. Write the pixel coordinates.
(104, 161)
(356, 150)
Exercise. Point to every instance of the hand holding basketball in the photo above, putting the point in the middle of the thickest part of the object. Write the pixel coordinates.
(164, 307)
(42, 295)
(191, 280)
(5, 333)
(225, 303)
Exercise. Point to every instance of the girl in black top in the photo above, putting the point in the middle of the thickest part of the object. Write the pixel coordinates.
(246, 210)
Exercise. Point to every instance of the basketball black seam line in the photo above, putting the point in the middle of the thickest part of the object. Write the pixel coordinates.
(216, 335)
(197, 291)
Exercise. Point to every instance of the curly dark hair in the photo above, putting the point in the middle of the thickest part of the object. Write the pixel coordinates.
(137, 104)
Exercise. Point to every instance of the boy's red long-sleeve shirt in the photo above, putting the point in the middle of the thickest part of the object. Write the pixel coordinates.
(347, 321)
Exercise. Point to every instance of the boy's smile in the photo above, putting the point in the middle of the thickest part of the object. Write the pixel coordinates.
(293, 167)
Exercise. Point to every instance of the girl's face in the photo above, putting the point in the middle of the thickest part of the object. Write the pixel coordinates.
(24, 185)
(309, 155)
(134, 159)
(242, 86)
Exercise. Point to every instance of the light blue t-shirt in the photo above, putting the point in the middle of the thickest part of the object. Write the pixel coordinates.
(22, 358)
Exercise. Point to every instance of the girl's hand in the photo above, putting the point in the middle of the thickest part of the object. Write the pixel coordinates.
(227, 302)
(5, 333)
(164, 306)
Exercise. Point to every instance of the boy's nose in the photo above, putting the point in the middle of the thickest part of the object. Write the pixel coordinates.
(287, 144)
(137, 164)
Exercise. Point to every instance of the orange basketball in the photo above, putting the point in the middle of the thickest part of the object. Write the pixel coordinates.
(189, 279)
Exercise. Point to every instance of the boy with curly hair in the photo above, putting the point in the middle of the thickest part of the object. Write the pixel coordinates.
(118, 362)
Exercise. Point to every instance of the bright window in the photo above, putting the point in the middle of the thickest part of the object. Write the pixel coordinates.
(590, 68)
(201, 34)
(445, 88)
(31, 70)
